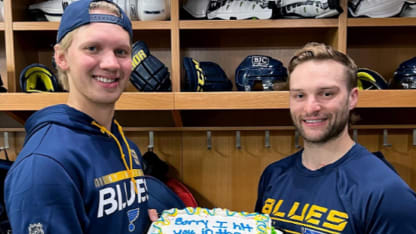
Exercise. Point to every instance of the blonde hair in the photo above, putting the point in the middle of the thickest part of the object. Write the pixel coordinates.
(66, 41)
(320, 52)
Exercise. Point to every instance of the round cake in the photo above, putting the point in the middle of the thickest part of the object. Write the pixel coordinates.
(211, 221)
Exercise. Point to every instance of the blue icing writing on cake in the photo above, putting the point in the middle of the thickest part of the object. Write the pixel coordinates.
(210, 221)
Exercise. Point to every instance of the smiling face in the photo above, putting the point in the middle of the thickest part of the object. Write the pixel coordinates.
(97, 63)
(320, 101)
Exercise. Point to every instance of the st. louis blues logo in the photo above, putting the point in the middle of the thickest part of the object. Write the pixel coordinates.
(133, 215)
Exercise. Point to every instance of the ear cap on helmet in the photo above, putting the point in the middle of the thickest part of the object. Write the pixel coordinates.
(405, 75)
(205, 76)
(259, 70)
(370, 79)
(37, 78)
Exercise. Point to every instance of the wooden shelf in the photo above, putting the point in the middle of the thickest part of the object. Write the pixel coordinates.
(128, 101)
(232, 100)
(206, 101)
(35, 26)
(151, 25)
(381, 22)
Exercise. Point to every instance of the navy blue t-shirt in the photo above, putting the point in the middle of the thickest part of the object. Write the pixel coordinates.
(357, 194)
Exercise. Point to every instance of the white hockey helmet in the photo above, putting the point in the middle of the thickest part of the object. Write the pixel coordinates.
(153, 9)
(50, 10)
(197, 8)
(239, 9)
(376, 8)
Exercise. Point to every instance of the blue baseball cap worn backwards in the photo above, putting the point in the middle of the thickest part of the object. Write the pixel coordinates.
(77, 14)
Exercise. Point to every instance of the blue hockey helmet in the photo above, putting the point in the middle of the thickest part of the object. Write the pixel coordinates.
(370, 79)
(259, 72)
(405, 75)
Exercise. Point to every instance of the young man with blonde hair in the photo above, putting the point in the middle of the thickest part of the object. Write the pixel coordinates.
(77, 172)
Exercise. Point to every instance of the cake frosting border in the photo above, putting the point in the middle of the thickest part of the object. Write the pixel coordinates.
(263, 224)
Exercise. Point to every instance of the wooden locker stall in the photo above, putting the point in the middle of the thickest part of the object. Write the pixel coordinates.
(197, 133)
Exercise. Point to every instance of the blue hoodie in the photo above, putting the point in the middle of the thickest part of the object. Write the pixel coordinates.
(75, 176)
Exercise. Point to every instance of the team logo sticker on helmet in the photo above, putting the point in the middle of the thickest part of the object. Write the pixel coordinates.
(36, 228)
(259, 72)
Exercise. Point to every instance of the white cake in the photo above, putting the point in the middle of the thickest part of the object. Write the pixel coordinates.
(210, 221)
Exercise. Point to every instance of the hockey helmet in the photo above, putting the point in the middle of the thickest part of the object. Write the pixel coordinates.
(153, 9)
(239, 9)
(376, 8)
(405, 75)
(197, 9)
(259, 72)
(205, 76)
(50, 10)
(37, 78)
(370, 79)
(307, 8)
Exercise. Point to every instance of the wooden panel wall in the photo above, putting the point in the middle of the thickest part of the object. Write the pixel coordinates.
(225, 176)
